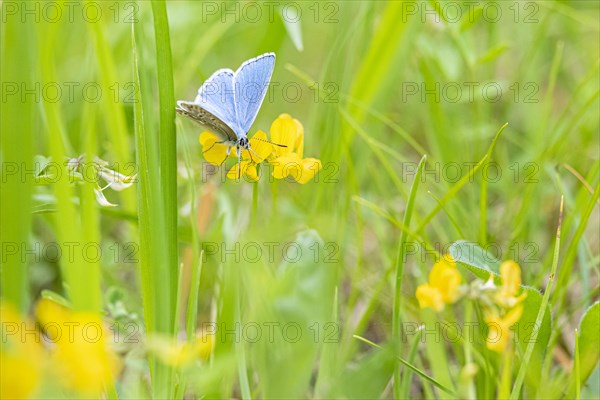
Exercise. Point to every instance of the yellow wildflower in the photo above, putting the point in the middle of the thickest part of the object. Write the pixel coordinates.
(443, 286)
(213, 152)
(287, 161)
(173, 352)
(81, 355)
(260, 150)
(510, 273)
(284, 151)
(216, 153)
(21, 355)
(499, 328)
(509, 302)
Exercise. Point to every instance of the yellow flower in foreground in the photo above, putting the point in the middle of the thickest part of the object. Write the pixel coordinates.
(21, 355)
(287, 161)
(499, 333)
(443, 285)
(82, 358)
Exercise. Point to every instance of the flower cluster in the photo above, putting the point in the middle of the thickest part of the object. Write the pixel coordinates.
(284, 152)
(502, 305)
(505, 308)
(444, 286)
(113, 179)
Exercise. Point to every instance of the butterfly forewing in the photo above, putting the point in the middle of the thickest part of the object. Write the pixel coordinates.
(216, 96)
(228, 102)
(251, 82)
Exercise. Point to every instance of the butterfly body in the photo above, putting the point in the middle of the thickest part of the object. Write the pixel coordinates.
(229, 101)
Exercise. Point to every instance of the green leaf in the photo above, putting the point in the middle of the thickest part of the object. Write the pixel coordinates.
(367, 378)
(55, 297)
(589, 341)
(302, 296)
(481, 263)
(291, 21)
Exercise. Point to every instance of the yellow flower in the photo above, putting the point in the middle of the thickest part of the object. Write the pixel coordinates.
(508, 302)
(216, 153)
(443, 286)
(510, 273)
(81, 355)
(21, 355)
(260, 150)
(287, 158)
(499, 333)
(175, 353)
(213, 152)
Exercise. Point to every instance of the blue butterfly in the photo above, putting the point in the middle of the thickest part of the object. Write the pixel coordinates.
(228, 101)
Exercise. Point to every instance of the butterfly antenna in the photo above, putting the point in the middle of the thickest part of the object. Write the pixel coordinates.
(256, 154)
(266, 141)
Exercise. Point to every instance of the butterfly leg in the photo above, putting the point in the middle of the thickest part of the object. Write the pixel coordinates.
(226, 155)
(239, 156)
(213, 145)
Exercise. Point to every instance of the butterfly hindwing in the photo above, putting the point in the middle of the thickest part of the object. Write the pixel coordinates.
(251, 82)
(206, 118)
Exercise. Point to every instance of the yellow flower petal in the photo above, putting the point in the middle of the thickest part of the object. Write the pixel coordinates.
(445, 277)
(511, 278)
(429, 296)
(21, 356)
(499, 333)
(287, 132)
(261, 148)
(506, 297)
(172, 352)
(299, 145)
(248, 170)
(288, 165)
(213, 152)
(310, 167)
(81, 354)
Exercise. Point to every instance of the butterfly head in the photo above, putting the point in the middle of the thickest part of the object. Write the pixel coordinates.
(243, 143)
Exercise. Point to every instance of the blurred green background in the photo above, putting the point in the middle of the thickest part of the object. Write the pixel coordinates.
(376, 86)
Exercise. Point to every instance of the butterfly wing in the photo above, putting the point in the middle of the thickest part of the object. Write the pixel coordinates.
(214, 106)
(251, 82)
(206, 118)
(216, 96)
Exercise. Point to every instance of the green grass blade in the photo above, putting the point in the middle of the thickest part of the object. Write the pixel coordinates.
(167, 139)
(18, 43)
(515, 393)
(396, 325)
(450, 194)
(411, 367)
(154, 259)
(483, 193)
